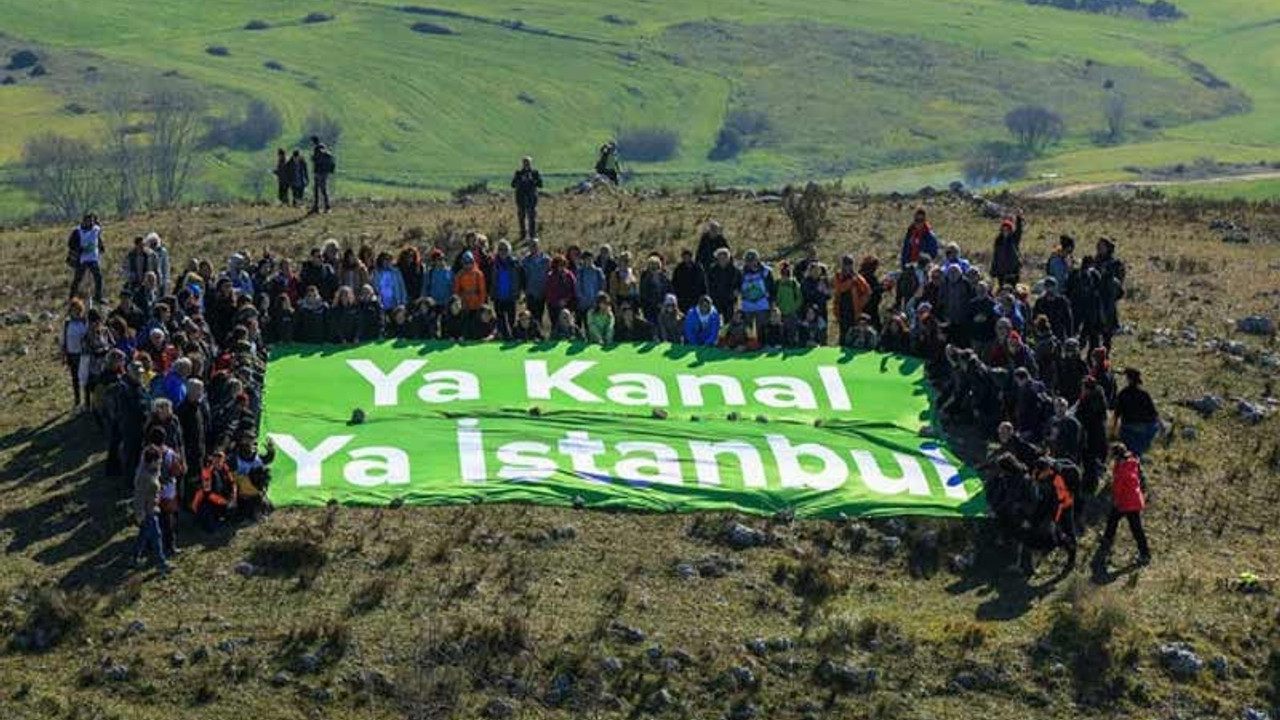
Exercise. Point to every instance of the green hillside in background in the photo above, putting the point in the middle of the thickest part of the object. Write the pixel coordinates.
(881, 92)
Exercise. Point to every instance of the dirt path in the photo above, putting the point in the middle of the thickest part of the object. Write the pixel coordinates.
(1062, 191)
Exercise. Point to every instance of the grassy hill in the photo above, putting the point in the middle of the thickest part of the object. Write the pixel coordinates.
(511, 611)
(846, 89)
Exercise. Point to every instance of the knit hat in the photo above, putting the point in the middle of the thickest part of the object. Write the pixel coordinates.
(468, 258)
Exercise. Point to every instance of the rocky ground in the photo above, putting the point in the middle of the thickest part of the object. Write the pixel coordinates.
(514, 611)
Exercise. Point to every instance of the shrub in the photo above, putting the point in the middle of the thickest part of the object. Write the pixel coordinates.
(1034, 127)
(273, 65)
(22, 59)
(617, 20)
(322, 126)
(52, 617)
(257, 25)
(993, 162)
(261, 124)
(480, 187)
(218, 50)
(317, 17)
(806, 208)
(302, 557)
(38, 71)
(648, 144)
(740, 131)
(1084, 633)
(369, 597)
(427, 28)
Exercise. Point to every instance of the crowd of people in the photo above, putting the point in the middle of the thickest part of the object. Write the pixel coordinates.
(173, 371)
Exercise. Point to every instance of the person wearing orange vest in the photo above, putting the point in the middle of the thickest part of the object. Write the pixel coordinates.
(1128, 502)
(469, 285)
(1061, 498)
(217, 494)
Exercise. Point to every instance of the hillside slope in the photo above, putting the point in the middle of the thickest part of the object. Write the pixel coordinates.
(514, 611)
(844, 90)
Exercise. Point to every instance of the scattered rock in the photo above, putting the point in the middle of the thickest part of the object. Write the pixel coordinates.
(177, 659)
(18, 317)
(1256, 325)
(564, 532)
(281, 679)
(1251, 413)
(654, 653)
(611, 665)
(685, 571)
(245, 569)
(499, 708)
(322, 694)
(781, 644)
(758, 646)
(1190, 433)
(1221, 667)
(889, 546)
(1180, 661)
(682, 656)
(659, 701)
(741, 537)
(847, 678)
(200, 655)
(743, 676)
(1206, 405)
(309, 662)
(1256, 714)
(743, 711)
(628, 634)
(116, 672)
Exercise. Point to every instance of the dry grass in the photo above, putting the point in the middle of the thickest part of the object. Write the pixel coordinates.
(472, 608)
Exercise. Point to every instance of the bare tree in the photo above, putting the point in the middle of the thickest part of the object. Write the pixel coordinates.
(322, 126)
(63, 173)
(174, 115)
(806, 208)
(122, 151)
(1115, 109)
(1034, 127)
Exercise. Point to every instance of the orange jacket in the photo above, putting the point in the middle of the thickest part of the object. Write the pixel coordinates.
(468, 284)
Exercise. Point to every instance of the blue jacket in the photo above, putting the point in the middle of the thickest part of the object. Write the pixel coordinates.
(590, 284)
(398, 296)
(702, 330)
(535, 275)
(174, 388)
(506, 280)
(438, 285)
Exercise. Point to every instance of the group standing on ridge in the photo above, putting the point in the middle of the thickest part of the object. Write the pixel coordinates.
(173, 370)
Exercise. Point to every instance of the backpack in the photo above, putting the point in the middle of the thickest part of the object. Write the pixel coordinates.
(325, 162)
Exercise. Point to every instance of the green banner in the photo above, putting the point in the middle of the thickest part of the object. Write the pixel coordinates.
(648, 427)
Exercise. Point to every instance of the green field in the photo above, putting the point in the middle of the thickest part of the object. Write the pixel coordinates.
(876, 91)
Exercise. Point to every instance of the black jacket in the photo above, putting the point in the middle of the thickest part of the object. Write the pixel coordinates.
(689, 283)
(526, 184)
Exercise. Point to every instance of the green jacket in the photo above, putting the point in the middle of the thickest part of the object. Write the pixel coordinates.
(600, 327)
(789, 297)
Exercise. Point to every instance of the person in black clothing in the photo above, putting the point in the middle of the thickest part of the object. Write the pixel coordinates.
(688, 281)
(1054, 306)
(712, 240)
(1071, 369)
(318, 274)
(724, 280)
(1111, 274)
(631, 327)
(1135, 414)
(1013, 443)
(284, 176)
(1064, 432)
(525, 329)
(323, 166)
(299, 178)
(1091, 411)
(526, 182)
(84, 253)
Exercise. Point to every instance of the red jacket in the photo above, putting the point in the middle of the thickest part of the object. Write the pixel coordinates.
(1126, 486)
(562, 290)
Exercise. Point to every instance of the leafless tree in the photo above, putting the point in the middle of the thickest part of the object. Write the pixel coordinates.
(62, 173)
(175, 124)
(1115, 110)
(1034, 127)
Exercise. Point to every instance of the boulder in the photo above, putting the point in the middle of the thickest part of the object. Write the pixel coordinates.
(1180, 660)
(1256, 325)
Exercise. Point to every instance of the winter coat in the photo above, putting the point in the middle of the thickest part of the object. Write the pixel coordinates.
(342, 323)
(562, 290)
(654, 287)
(506, 280)
(689, 283)
(394, 294)
(1126, 486)
(707, 246)
(702, 329)
(670, 328)
(723, 283)
(639, 331)
(535, 270)
(469, 285)
(369, 322)
(790, 298)
(918, 241)
(1058, 309)
(600, 327)
(1006, 254)
(438, 285)
(526, 184)
(590, 282)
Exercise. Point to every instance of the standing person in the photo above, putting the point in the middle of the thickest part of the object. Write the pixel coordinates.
(146, 509)
(534, 267)
(1128, 502)
(1062, 260)
(526, 182)
(623, 282)
(1111, 272)
(1091, 412)
(284, 176)
(655, 288)
(1006, 253)
(323, 166)
(688, 280)
(75, 331)
(389, 284)
(851, 293)
(724, 281)
(919, 241)
(438, 282)
(469, 285)
(1135, 415)
(299, 178)
(712, 240)
(506, 288)
(409, 262)
(609, 163)
(561, 288)
(84, 254)
(590, 283)
(757, 289)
